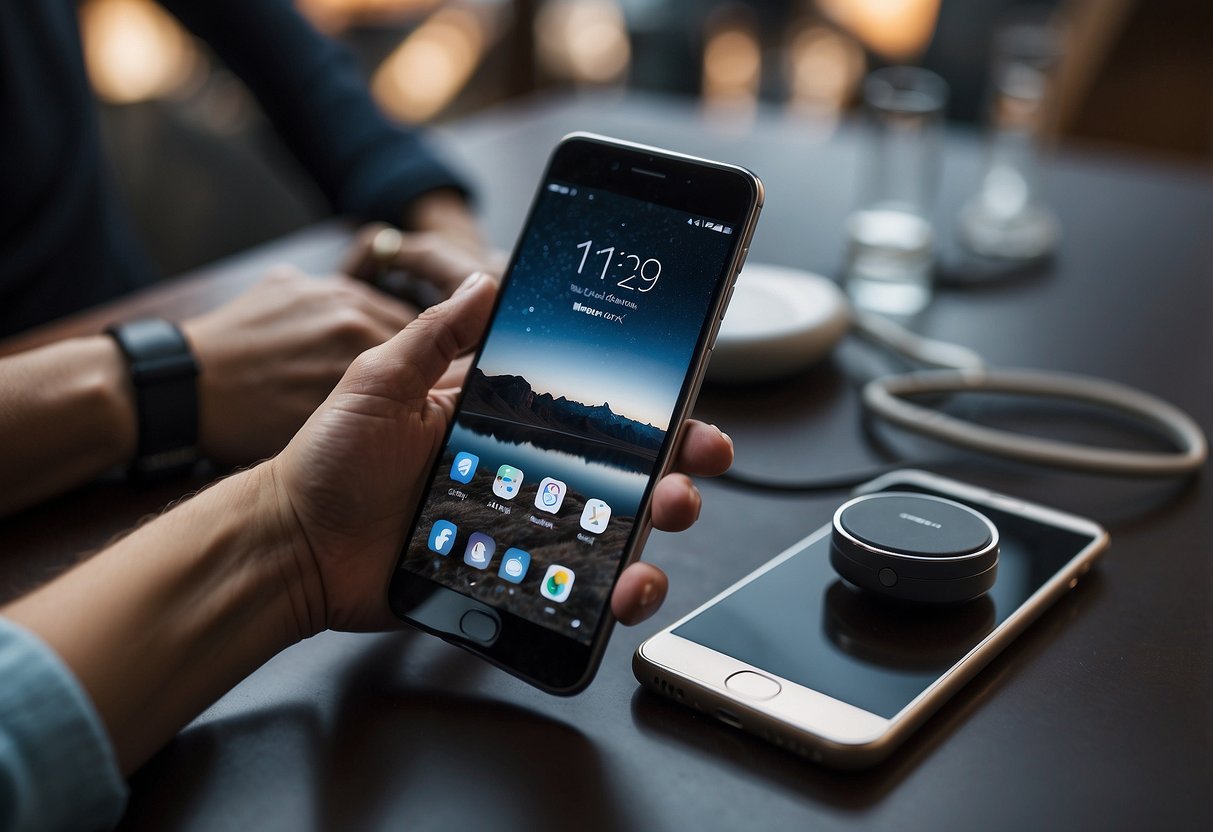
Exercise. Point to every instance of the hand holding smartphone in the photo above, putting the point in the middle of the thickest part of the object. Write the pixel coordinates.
(571, 412)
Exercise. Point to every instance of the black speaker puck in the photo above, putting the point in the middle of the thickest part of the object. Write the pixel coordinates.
(915, 547)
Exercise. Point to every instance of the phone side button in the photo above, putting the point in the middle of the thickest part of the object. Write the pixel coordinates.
(752, 685)
(479, 626)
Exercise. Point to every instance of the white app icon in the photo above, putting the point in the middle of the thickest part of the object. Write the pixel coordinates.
(550, 496)
(595, 516)
(507, 482)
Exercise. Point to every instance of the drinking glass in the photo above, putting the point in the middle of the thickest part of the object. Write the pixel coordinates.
(1007, 217)
(891, 237)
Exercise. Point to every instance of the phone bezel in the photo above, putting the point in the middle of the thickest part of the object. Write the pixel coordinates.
(826, 729)
(553, 662)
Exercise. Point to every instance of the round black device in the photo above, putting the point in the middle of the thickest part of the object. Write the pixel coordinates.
(915, 547)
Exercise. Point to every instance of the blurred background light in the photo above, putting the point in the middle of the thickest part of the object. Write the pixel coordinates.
(583, 41)
(897, 30)
(336, 15)
(824, 67)
(134, 50)
(732, 61)
(431, 65)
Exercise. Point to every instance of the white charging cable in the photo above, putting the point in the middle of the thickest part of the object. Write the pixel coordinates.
(966, 372)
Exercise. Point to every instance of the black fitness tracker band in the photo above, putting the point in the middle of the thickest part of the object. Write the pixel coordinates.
(164, 375)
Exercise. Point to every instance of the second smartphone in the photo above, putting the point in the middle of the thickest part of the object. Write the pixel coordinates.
(797, 656)
(571, 412)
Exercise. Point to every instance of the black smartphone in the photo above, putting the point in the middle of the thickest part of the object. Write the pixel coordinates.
(797, 656)
(572, 409)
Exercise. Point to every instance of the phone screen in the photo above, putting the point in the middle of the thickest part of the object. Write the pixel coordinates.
(801, 622)
(567, 413)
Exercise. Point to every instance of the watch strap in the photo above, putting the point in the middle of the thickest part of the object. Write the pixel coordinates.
(164, 374)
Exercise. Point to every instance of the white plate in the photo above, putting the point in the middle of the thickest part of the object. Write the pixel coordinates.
(780, 321)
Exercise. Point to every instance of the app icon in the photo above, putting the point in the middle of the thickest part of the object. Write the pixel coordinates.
(464, 467)
(550, 495)
(479, 551)
(442, 536)
(507, 483)
(595, 516)
(557, 583)
(514, 566)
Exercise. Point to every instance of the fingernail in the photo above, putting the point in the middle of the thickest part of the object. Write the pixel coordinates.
(728, 438)
(648, 595)
(468, 282)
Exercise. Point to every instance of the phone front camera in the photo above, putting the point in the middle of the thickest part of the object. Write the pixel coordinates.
(614, 166)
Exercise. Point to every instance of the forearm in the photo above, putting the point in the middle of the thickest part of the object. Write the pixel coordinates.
(66, 415)
(162, 623)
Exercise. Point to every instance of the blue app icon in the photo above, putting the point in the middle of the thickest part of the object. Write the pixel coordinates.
(514, 566)
(464, 467)
(442, 536)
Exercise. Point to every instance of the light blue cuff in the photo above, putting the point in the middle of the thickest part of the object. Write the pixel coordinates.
(57, 767)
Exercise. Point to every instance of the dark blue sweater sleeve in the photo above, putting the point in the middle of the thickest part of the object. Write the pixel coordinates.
(313, 92)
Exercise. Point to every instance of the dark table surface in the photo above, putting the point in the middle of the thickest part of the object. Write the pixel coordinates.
(1099, 716)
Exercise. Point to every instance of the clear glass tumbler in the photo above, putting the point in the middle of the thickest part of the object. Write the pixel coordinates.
(891, 236)
(1007, 217)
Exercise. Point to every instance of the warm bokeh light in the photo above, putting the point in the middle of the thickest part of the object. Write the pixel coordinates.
(585, 41)
(134, 50)
(824, 69)
(898, 30)
(430, 66)
(334, 15)
(732, 66)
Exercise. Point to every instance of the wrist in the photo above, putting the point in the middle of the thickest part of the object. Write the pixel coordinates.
(106, 386)
(445, 212)
(301, 582)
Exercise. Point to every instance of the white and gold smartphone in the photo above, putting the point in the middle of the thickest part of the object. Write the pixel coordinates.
(797, 656)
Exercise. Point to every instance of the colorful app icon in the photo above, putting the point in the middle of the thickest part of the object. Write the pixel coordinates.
(442, 536)
(507, 482)
(479, 551)
(595, 516)
(514, 565)
(550, 496)
(464, 467)
(557, 583)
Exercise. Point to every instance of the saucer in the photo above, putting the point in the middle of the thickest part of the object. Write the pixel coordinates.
(780, 321)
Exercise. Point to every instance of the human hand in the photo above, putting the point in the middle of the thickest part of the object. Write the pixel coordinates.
(271, 355)
(424, 267)
(441, 247)
(351, 479)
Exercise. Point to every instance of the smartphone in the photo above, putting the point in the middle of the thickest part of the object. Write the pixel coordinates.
(798, 657)
(571, 411)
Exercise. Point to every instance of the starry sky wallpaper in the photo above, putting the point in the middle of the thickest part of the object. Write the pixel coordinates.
(607, 343)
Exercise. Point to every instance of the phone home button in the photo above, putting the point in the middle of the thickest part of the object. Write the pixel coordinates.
(752, 685)
(479, 626)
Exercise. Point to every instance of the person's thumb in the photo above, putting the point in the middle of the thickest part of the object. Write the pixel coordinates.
(414, 360)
